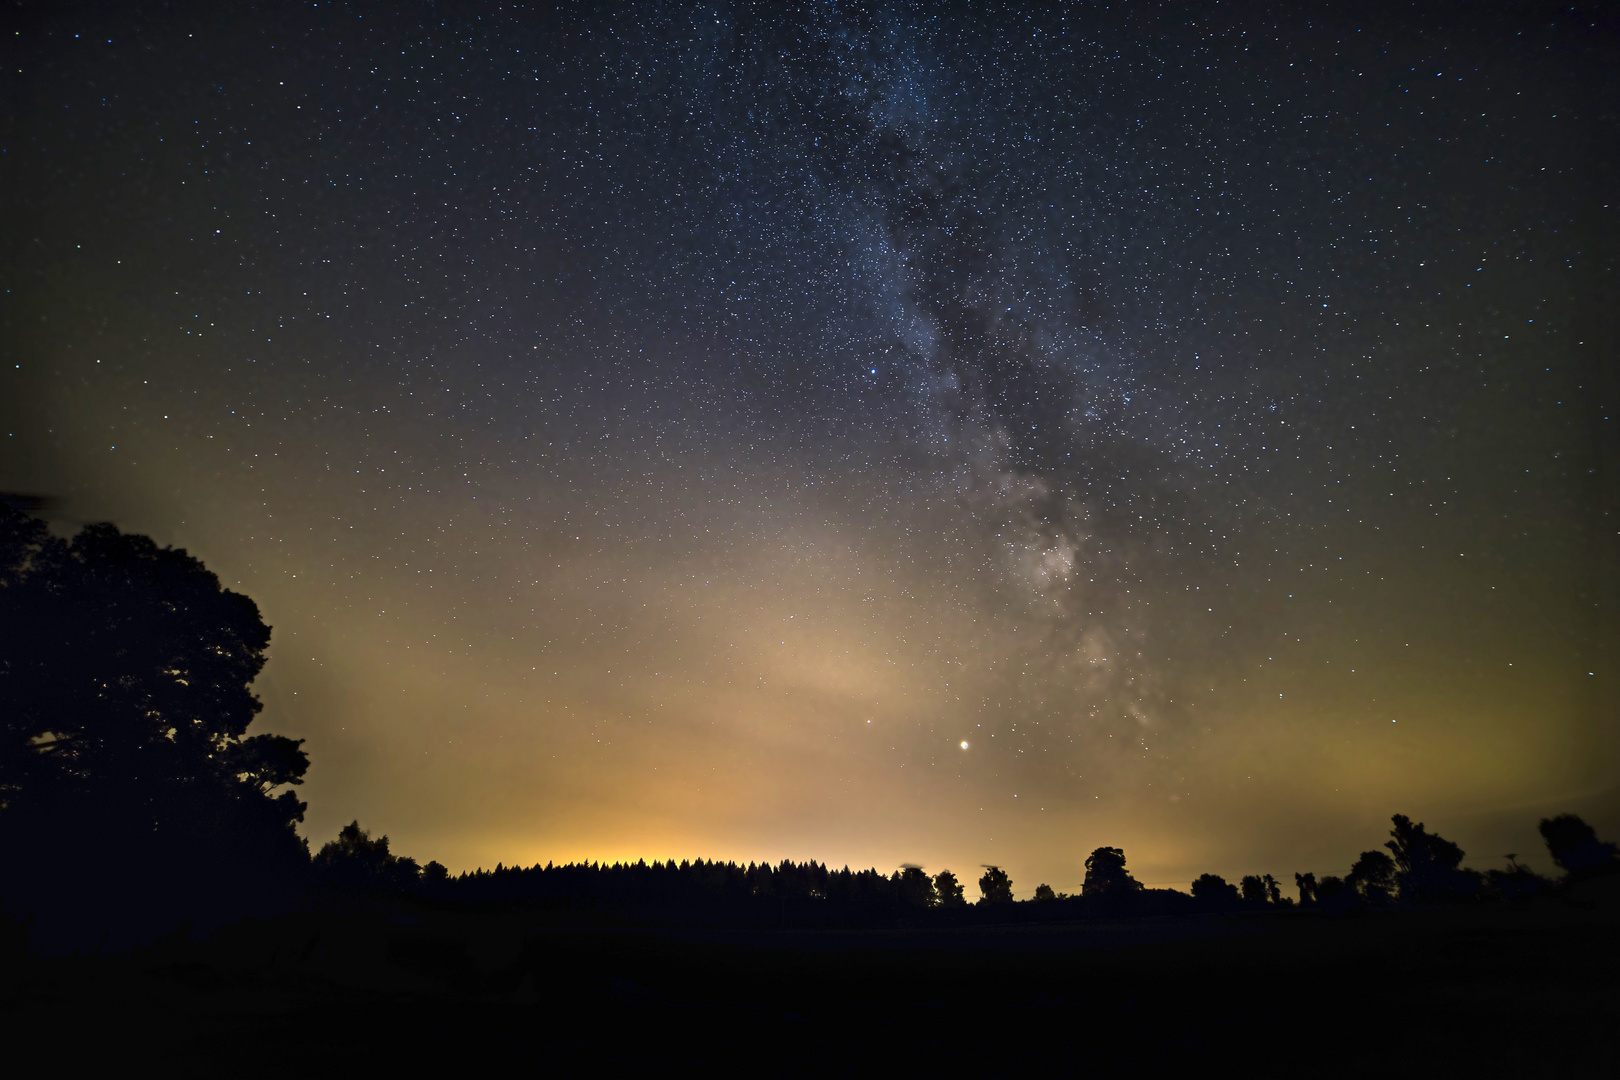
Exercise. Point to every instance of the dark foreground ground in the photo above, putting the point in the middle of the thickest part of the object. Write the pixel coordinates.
(1497, 991)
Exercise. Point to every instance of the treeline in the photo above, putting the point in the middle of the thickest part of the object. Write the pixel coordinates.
(704, 891)
(132, 799)
(690, 889)
(1420, 869)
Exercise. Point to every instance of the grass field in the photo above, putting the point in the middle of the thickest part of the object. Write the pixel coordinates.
(1529, 990)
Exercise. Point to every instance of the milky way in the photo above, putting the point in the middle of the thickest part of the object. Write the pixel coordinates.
(678, 431)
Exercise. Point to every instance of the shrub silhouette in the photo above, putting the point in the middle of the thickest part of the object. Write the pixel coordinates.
(130, 794)
(1517, 882)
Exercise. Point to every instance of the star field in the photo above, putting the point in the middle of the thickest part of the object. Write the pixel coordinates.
(872, 433)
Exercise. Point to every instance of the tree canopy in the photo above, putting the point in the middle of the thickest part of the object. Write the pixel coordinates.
(995, 887)
(1427, 864)
(1215, 890)
(915, 888)
(1106, 874)
(1373, 877)
(124, 709)
(357, 860)
(1575, 847)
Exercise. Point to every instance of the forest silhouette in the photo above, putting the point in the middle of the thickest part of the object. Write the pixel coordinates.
(132, 800)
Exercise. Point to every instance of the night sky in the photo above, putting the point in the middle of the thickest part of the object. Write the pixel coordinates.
(868, 433)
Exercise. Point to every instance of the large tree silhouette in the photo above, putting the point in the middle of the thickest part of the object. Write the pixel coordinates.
(1428, 866)
(1576, 849)
(130, 791)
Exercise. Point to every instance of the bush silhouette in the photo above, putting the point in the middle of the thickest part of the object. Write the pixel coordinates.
(1517, 882)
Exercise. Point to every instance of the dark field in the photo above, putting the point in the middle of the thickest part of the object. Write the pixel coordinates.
(1489, 990)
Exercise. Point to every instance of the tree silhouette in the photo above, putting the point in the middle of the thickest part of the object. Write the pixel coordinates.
(1574, 846)
(1428, 865)
(995, 886)
(1273, 890)
(1517, 882)
(948, 889)
(1253, 889)
(125, 768)
(1106, 874)
(1213, 889)
(1306, 884)
(1373, 877)
(915, 888)
(356, 860)
(1044, 892)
